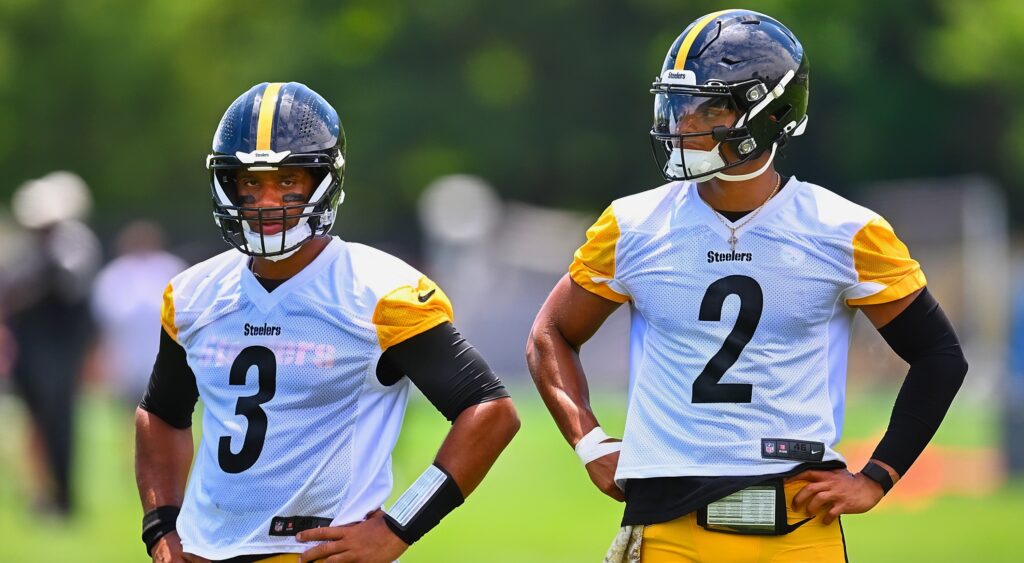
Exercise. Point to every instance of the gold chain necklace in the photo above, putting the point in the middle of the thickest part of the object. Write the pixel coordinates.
(732, 230)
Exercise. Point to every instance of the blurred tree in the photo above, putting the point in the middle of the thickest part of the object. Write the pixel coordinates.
(548, 100)
(977, 50)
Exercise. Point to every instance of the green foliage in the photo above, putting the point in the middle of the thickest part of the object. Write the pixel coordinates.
(547, 100)
(536, 504)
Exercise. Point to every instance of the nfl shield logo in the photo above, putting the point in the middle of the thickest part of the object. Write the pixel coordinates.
(278, 526)
(769, 447)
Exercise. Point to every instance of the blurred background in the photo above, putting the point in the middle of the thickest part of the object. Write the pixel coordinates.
(484, 137)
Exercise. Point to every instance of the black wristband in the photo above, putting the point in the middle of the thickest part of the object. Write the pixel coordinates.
(422, 506)
(878, 474)
(157, 523)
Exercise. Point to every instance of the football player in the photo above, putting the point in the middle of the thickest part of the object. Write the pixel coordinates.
(302, 347)
(742, 285)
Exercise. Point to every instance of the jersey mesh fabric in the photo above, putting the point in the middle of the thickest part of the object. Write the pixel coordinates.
(330, 426)
(410, 310)
(882, 260)
(593, 264)
(796, 259)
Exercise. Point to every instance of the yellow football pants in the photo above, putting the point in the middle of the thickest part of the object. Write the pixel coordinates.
(683, 540)
(281, 558)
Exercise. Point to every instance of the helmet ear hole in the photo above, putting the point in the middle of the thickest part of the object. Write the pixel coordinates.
(780, 114)
(229, 182)
(318, 175)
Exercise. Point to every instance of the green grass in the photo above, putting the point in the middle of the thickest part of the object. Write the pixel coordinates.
(537, 504)
(953, 529)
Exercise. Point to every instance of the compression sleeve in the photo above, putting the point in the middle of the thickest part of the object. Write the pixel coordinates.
(172, 391)
(449, 371)
(925, 339)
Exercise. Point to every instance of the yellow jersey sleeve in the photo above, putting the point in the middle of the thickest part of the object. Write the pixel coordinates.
(885, 270)
(408, 311)
(593, 264)
(167, 314)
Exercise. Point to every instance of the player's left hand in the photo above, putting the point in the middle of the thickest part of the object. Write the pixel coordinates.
(369, 541)
(835, 492)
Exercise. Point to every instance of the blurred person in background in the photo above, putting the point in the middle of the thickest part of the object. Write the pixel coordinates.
(303, 347)
(126, 306)
(6, 351)
(1013, 394)
(45, 290)
(742, 285)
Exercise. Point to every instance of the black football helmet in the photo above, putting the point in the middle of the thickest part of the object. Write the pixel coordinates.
(270, 126)
(735, 63)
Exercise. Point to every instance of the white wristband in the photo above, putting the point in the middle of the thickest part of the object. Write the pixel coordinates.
(417, 495)
(590, 447)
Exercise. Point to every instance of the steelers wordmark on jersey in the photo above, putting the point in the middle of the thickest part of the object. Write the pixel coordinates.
(732, 350)
(292, 401)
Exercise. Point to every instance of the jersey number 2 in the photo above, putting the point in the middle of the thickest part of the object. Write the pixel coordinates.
(249, 407)
(706, 388)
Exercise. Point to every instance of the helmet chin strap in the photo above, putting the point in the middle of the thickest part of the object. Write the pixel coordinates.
(262, 243)
(742, 177)
(301, 231)
(697, 161)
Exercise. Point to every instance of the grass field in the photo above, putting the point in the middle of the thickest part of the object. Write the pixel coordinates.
(536, 505)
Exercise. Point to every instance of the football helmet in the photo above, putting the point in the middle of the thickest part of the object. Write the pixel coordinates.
(736, 79)
(274, 125)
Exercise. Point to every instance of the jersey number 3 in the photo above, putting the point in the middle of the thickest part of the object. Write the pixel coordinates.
(706, 388)
(249, 407)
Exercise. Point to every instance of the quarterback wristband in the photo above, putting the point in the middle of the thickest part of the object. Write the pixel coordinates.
(878, 474)
(590, 447)
(157, 523)
(422, 506)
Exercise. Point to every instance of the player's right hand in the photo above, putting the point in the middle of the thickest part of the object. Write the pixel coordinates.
(602, 473)
(168, 550)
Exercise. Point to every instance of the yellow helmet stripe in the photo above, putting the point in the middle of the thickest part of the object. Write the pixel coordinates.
(684, 49)
(268, 105)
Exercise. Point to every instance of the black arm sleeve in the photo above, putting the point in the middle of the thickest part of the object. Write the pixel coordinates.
(925, 339)
(447, 369)
(172, 392)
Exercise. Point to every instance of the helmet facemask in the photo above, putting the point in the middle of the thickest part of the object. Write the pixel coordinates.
(724, 120)
(274, 126)
(242, 226)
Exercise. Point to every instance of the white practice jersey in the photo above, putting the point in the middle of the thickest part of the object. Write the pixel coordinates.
(738, 358)
(295, 421)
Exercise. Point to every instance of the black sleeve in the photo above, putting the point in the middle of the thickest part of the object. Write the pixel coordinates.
(172, 392)
(449, 371)
(925, 339)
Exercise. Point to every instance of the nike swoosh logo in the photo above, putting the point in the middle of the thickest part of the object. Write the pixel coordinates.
(813, 452)
(426, 296)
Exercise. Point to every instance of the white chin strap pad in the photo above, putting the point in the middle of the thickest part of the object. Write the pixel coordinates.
(695, 163)
(272, 243)
(741, 177)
